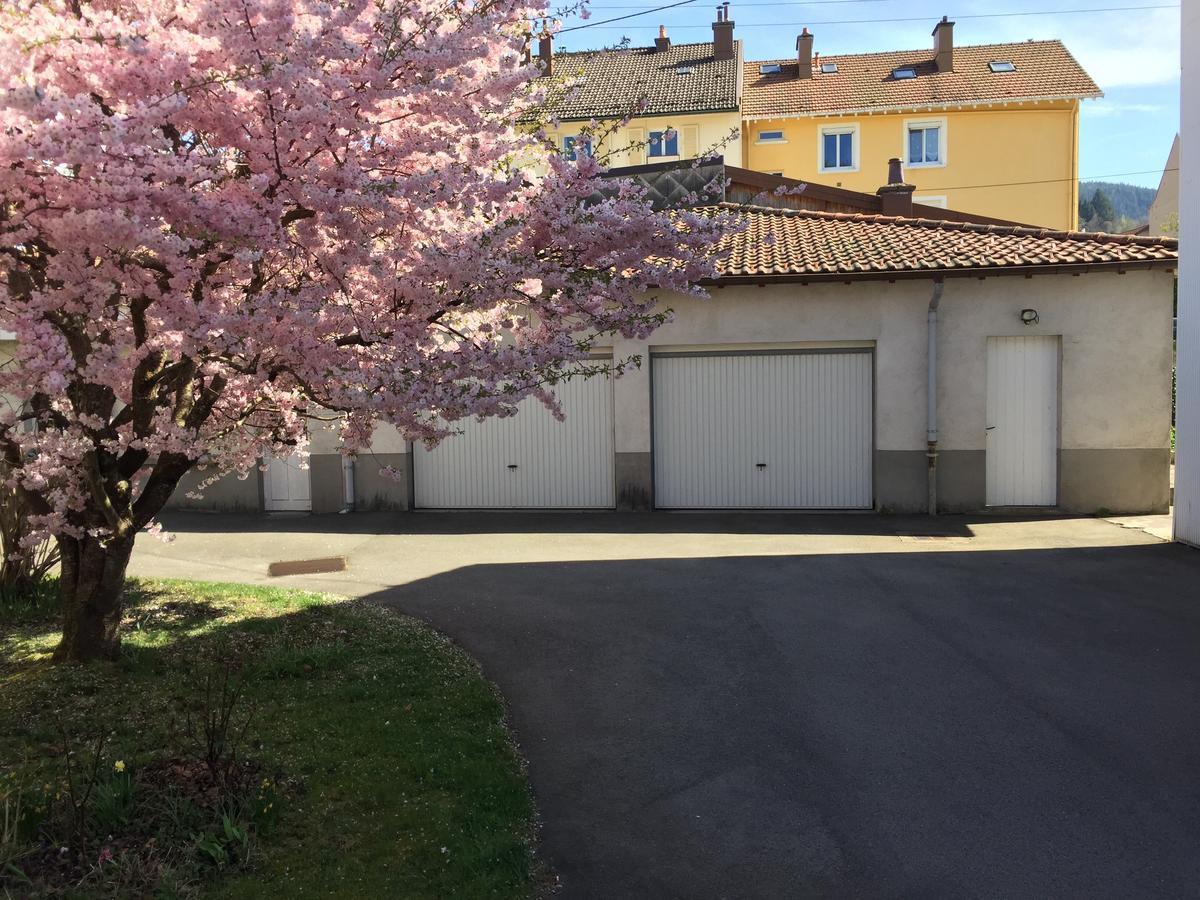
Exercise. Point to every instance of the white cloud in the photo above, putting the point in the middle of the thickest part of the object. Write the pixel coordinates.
(1105, 108)
(1118, 49)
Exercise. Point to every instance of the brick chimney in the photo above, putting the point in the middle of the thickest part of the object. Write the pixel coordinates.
(723, 47)
(546, 51)
(943, 45)
(662, 42)
(895, 197)
(804, 53)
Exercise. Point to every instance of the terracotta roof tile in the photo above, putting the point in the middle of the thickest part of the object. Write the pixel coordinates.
(864, 82)
(609, 83)
(785, 242)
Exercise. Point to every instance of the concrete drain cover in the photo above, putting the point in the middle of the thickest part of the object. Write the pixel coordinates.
(308, 566)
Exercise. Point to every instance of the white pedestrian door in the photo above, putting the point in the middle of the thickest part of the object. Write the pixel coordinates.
(1022, 421)
(763, 429)
(527, 461)
(287, 485)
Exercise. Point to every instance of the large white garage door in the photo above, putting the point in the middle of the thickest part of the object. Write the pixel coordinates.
(784, 430)
(526, 461)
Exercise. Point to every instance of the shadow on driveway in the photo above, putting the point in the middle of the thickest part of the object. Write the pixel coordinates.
(1008, 723)
(565, 522)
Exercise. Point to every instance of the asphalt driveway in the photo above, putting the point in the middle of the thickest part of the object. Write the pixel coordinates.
(810, 706)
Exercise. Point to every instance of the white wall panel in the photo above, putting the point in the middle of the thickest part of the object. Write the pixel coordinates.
(788, 430)
(1022, 420)
(530, 460)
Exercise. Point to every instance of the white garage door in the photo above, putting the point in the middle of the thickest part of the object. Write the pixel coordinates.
(526, 461)
(785, 430)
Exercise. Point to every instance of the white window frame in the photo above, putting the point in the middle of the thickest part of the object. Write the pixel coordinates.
(663, 129)
(938, 200)
(782, 139)
(937, 122)
(582, 146)
(851, 128)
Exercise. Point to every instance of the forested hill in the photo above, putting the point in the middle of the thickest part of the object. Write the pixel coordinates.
(1129, 201)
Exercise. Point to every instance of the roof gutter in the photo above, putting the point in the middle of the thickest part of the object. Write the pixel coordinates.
(938, 274)
(919, 107)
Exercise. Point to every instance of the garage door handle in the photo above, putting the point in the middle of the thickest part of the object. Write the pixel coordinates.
(989, 428)
(760, 465)
(512, 465)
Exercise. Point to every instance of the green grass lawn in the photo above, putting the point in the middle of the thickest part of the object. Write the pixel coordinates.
(397, 776)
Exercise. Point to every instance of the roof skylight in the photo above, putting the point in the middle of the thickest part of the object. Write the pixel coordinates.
(769, 69)
(1001, 65)
(904, 72)
(683, 70)
(828, 68)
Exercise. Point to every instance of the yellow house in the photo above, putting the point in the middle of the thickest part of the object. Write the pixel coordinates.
(990, 129)
(681, 100)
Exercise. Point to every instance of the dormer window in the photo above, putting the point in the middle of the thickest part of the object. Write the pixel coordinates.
(828, 68)
(904, 72)
(1001, 65)
(769, 69)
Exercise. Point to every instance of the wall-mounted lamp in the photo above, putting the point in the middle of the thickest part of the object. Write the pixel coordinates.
(1029, 317)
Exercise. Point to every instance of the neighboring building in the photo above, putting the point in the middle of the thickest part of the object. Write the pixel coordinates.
(991, 129)
(1187, 401)
(669, 182)
(803, 384)
(684, 99)
(1164, 211)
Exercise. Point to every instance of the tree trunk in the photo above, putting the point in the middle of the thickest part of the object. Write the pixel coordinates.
(91, 584)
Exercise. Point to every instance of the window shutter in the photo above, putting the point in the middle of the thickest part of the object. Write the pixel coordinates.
(691, 141)
(637, 146)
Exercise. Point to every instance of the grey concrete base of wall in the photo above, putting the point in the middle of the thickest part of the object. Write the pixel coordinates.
(900, 481)
(326, 482)
(375, 491)
(229, 494)
(962, 480)
(634, 473)
(1128, 482)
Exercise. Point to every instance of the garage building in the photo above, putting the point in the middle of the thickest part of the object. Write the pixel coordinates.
(804, 383)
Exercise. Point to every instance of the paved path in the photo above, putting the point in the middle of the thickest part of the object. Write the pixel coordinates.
(778, 706)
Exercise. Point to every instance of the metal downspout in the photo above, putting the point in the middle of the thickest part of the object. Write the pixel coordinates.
(347, 483)
(931, 427)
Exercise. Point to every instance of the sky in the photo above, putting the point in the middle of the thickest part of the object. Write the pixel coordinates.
(1130, 48)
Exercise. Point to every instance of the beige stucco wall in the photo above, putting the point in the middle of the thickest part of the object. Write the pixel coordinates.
(1116, 350)
(783, 314)
(1116, 355)
(1115, 382)
(322, 438)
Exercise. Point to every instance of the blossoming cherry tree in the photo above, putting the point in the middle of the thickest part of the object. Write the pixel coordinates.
(221, 217)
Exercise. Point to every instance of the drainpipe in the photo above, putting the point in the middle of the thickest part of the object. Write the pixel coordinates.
(347, 483)
(931, 428)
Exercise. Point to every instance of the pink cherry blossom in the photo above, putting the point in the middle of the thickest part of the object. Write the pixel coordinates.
(219, 217)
